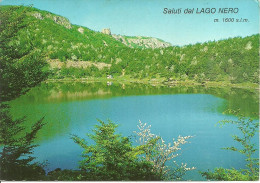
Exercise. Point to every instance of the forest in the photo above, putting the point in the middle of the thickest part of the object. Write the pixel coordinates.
(32, 39)
(231, 60)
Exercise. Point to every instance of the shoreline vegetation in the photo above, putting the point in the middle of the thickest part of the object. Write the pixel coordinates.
(158, 82)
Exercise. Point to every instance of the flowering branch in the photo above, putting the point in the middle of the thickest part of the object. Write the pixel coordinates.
(157, 151)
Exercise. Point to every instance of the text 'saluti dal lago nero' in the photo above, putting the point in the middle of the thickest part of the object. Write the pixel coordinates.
(201, 10)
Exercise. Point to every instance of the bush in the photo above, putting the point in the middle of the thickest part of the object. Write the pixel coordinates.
(159, 153)
(16, 161)
(248, 129)
(112, 157)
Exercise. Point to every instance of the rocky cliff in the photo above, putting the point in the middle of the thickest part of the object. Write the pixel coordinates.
(57, 19)
(141, 42)
(106, 31)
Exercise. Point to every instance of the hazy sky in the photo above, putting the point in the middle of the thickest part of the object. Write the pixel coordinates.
(146, 17)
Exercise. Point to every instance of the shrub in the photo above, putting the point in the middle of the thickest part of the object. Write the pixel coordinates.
(159, 153)
(248, 129)
(112, 157)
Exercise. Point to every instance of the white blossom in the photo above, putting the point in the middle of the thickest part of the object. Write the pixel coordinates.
(160, 152)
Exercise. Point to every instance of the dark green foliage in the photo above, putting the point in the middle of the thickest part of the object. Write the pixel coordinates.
(112, 157)
(16, 161)
(248, 129)
(64, 175)
(222, 174)
(22, 65)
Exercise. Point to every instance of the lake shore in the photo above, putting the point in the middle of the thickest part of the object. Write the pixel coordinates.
(160, 81)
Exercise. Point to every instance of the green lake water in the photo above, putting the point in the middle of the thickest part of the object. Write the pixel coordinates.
(72, 108)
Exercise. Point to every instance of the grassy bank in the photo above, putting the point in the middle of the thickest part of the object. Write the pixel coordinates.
(159, 81)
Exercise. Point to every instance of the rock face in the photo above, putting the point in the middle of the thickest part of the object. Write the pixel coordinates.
(81, 30)
(60, 20)
(57, 19)
(55, 63)
(106, 31)
(38, 15)
(142, 42)
(249, 46)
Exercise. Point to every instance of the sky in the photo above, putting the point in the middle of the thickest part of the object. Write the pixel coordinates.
(146, 17)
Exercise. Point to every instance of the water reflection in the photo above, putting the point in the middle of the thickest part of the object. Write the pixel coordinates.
(50, 100)
(59, 92)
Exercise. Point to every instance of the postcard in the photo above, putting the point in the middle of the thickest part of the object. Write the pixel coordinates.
(129, 90)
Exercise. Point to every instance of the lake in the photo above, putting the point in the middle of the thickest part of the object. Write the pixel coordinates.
(73, 108)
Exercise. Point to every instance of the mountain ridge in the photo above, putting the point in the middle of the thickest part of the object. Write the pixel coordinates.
(141, 41)
(130, 41)
(232, 60)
